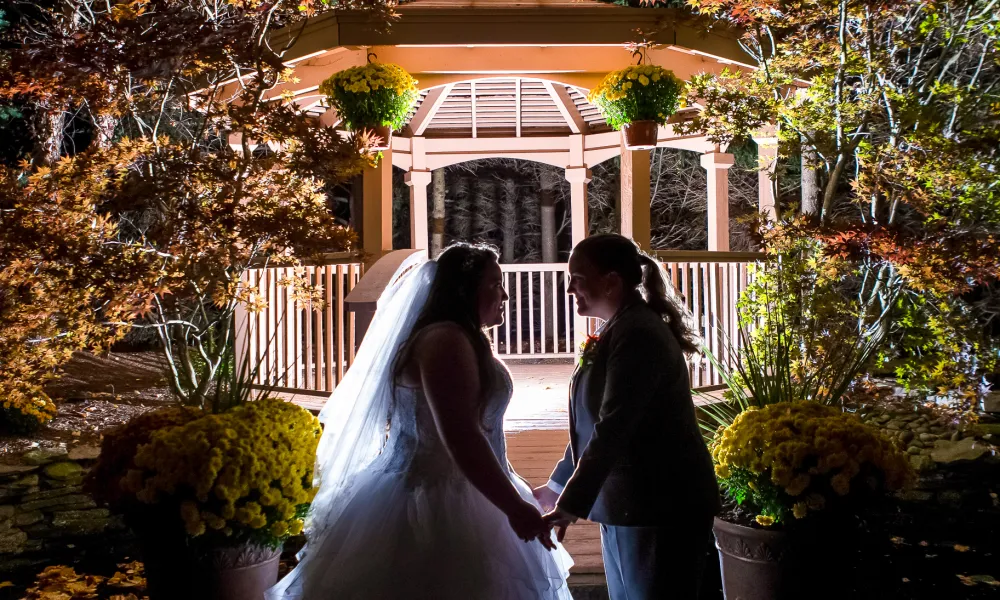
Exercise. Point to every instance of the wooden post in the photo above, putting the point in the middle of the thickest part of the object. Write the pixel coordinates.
(418, 181)
(717, 164)
(634, 199)
(578, 178)
(376, 221)
(767, 184)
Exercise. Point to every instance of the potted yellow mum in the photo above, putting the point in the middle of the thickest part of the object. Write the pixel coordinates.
(636, 100)
(375, 99)
(212, 496)
(795, 469)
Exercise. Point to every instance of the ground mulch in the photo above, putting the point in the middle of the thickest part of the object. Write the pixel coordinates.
(95, 394)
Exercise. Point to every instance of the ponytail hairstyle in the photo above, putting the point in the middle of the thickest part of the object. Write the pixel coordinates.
(613, 253)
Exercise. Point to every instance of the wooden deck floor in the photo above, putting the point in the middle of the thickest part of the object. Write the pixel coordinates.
(536, 424)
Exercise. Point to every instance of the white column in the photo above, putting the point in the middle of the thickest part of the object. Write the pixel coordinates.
(767, 184)
(634, 199)
(578, 178)
(717, 164)
(376, 219)
(418, 182)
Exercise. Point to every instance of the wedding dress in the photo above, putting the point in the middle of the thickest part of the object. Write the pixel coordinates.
(395, 518)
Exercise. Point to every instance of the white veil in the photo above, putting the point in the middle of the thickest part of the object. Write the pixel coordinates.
(356, 415)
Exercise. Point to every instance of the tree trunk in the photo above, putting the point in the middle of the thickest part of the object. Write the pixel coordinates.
(462, 219)
(810, 182)
(104, 130)
(437, 212)
(508, 221)
(49, 127)
(550, 244)
(482, 205)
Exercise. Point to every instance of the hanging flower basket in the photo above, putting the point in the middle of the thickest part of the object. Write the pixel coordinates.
(375, 99)
(636, 100)
(640, 135)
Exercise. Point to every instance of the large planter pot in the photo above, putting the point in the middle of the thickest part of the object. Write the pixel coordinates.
(640, 135)
(177, 571)
(761, 564)
(383, 133)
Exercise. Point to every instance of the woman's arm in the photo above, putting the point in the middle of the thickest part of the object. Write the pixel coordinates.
(634, 370)
(449, 375)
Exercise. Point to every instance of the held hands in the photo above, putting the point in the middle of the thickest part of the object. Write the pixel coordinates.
(560, 520)
(528, 524)
(546, 497)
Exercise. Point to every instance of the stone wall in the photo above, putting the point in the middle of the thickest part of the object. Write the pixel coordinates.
(44, 512)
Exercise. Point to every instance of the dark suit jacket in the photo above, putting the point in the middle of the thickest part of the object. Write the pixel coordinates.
(636, 457)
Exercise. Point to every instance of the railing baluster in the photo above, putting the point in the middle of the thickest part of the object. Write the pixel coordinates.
(255, 321)
(569, 303)
(355, 271)
(555, 311)
(520, 321)
(541, 306)
(531, 312)
(340, 324)
(507, 316)
(330, 330)
(307, 360)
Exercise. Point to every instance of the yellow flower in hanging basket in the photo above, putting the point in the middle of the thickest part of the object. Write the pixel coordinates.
(371, 95)
(637, 93)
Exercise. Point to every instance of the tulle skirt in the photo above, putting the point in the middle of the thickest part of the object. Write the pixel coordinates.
(440, 540)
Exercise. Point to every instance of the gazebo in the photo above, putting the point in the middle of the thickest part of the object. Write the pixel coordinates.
(510, 79)
(504, 79)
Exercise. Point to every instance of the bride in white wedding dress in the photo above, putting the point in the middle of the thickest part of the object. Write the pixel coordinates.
(416, 497)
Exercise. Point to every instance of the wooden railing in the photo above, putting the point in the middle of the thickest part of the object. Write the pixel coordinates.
(539, 319)
(295, 345)
(710, 283)
(307, 351)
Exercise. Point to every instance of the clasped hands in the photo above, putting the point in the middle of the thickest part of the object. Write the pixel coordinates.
(530, 525)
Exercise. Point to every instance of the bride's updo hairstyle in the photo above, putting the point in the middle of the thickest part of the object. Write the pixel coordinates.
(639, 272)
(454, 298)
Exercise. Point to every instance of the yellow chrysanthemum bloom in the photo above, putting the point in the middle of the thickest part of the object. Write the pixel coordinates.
(387, 94)
(764, 520)
(802, 450)
(655, 98)
(226, 469)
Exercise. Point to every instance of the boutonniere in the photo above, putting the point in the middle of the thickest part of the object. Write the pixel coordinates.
(588, 350)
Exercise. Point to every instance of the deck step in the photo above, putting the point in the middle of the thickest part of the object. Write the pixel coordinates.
(588, 587)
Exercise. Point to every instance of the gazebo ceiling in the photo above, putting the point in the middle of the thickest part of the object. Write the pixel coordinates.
(505, 107)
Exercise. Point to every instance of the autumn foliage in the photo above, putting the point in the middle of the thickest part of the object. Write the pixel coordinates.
(190, 179)
(894, 105)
